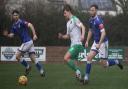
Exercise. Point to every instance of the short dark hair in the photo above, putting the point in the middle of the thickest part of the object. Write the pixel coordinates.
(94, 5)
(67, 8)
(15, 11)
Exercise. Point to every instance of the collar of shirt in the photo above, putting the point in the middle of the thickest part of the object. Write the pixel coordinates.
(17, 21)
(94, 17)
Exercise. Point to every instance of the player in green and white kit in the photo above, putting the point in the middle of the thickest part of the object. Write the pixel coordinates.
(75, 32)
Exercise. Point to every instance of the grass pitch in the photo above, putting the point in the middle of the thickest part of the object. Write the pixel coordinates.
(59, 76)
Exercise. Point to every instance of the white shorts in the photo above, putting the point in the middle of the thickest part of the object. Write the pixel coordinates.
(27, 47)
(103, 50)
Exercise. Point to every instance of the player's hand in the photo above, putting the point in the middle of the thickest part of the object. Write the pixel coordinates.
(86, 44)
(97, 46)
(60, 35)
(35, 37)
(5, 33)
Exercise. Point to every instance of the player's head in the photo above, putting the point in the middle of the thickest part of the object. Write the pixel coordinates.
(15, 15)
(67, 11)
(93, 10)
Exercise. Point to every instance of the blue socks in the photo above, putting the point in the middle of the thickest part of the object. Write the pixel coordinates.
(24, 63)
(112, 62)
(88, 68)
(38, 65)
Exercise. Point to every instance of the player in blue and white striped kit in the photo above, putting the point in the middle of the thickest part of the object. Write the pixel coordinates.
(21, 28)
(100, 44)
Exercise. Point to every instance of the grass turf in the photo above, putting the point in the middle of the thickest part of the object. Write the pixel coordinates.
(59, 76)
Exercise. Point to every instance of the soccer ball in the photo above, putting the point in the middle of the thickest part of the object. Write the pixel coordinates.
(23, 80)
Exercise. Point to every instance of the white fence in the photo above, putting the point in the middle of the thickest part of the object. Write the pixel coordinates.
(8, 54)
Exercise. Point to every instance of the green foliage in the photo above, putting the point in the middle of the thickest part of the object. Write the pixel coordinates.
(117, 30)
(48, 21)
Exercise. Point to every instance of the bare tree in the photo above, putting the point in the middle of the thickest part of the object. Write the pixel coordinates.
(2, 13)
(123, 4)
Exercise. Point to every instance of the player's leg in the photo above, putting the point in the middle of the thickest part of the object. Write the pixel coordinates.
(70, 62)
(34, 60)
(93, 52)
(90, 56)
(70, 57)
(25, 47)
(22, 61)
(79, 50)
(38, 65)
(103, 54)
(19, 54)
(111, 62)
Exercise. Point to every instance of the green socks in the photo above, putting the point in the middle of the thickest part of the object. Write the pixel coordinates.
(72, 65)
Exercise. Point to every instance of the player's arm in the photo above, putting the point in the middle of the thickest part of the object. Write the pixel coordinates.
(82, 30)
(64, 36)
(10, 35)
(33, 31)
(80, 24)
(61, 36)
(103, 34)
(88, 37)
